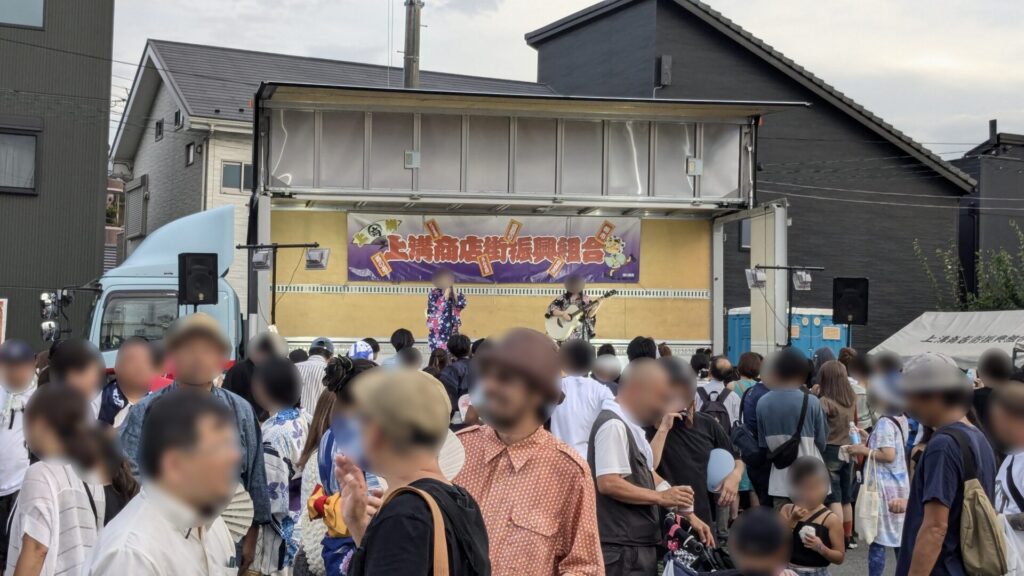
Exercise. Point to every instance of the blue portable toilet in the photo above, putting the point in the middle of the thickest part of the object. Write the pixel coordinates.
(812, 329)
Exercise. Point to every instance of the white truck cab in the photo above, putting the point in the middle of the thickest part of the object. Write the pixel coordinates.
(140, 297)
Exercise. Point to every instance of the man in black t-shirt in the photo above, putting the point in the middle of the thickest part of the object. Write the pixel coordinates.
(683, 443)
(401, 441)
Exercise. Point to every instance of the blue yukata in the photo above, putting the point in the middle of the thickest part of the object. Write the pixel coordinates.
(284, 435)
(337, 550)
(444, 317)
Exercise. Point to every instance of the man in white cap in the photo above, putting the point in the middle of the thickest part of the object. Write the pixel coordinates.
(939, 395)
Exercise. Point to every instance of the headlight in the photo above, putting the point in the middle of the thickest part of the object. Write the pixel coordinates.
(49, 330)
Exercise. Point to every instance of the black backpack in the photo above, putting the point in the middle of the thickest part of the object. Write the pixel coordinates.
(716, 408)
(743, 440)
(786, 453)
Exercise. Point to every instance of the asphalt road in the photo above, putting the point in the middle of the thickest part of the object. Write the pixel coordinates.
(856, 563)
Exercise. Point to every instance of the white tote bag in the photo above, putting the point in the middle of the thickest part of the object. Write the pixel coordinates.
(869, 502)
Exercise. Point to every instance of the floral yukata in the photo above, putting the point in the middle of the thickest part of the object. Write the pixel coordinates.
(444, 317)
(587, 328)
(284, 434)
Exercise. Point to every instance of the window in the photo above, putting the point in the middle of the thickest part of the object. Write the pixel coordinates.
(145, 314)
(178, 120)
(236, 177)
(158, 130)
(27, 13)
(17, 162)
(190, 154)
(744, 234)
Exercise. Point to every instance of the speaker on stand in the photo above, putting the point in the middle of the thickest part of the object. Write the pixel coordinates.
(850, 303)
(197, 279)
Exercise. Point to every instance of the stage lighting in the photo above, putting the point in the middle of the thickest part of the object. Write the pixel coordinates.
(756, 278)
(316, 258)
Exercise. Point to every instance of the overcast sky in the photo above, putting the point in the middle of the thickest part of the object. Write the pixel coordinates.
(936, 69)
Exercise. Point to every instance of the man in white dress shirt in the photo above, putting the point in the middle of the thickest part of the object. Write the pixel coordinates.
(189, 456)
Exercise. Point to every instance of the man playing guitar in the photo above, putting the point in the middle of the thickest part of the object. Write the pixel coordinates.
(574, 295)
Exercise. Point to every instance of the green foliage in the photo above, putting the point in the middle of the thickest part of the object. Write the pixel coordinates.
(1000, 277)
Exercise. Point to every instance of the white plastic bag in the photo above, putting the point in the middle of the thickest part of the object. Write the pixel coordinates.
(869, 502)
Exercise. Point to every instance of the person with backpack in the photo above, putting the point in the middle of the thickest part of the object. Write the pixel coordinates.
(790, 421)
(423, 524)
(682, 445)
(950, 528)
(716, 398)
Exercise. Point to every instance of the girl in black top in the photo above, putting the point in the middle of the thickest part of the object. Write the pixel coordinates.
(817, 532)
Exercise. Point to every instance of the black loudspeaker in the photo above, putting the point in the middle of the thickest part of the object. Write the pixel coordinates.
(850, 301)
(197, 279)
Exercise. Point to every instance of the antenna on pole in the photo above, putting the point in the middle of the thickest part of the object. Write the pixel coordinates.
(413, 9)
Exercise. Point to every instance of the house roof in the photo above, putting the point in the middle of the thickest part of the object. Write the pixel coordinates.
(993, 144)
(218, 83)
(786, 65)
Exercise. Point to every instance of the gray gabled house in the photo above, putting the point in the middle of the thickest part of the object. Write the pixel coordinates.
(861, 192)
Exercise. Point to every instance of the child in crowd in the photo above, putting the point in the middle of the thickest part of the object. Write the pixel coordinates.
(817, 540)
(887, 445)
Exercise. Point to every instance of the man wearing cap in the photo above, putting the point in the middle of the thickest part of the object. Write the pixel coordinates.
(198, 350)
(401, 442)
(939, 396)
(17, 383)
(312, 372)
(535, 491)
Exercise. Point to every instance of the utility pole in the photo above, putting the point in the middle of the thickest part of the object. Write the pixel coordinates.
(413, 8)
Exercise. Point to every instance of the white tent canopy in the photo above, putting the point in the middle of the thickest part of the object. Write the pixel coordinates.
(963, 336)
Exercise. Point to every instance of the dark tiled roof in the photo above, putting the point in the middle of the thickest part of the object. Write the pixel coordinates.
(780, 61)
(218, 82)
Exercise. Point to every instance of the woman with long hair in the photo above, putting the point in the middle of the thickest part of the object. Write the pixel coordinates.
(439, 360)
(62, 505)
(840, 405)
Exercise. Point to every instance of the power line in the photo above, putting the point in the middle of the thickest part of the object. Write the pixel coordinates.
(857, 191)
(116, 61)
(996, 211)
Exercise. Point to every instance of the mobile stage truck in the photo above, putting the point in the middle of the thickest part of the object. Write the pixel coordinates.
(512, 193)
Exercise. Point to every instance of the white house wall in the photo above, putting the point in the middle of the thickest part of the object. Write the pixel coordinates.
(234, 148)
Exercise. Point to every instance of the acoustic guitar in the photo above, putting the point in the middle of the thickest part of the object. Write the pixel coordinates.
(560, 329)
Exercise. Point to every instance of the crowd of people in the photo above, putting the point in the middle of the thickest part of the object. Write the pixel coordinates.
(511, 455)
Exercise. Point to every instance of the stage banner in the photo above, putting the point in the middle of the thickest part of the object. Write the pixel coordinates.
(493, 249)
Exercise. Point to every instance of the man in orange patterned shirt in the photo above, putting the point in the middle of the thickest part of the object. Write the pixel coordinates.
(535, 492)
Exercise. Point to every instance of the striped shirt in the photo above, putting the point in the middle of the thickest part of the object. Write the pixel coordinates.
(54, 510)
(312, 372)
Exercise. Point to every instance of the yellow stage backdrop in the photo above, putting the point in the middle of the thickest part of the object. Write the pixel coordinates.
(674, 254)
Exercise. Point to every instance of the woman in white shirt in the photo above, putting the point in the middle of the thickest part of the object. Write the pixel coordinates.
(60, 509)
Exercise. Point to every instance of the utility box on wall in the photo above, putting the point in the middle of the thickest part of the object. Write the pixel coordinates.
(812, 328)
